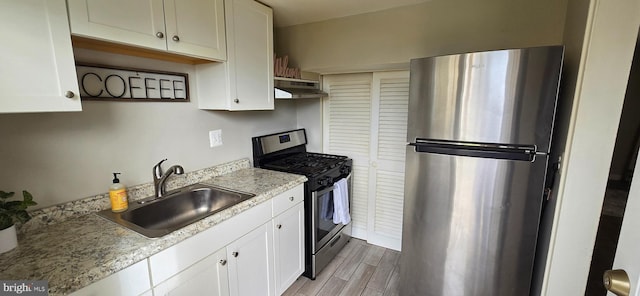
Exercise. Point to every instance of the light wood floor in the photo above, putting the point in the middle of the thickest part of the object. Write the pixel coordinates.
(359, 269)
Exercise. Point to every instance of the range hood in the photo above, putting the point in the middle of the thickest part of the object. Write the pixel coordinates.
(287, 88)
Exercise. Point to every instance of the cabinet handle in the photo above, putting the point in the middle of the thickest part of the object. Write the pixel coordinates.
(69, 94)
(175, 38)
(235, 254)
(236, 101)
(160, 35)
(223, 262)
(291, 198)
(279, 226)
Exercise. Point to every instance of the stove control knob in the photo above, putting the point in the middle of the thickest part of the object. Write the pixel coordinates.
(326, 181)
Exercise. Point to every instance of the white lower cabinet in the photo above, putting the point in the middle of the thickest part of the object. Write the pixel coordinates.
(207, 277)
(289, 247)
(251, 263)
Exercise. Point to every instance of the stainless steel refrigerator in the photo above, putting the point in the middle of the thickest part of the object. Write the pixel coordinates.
(479, 133)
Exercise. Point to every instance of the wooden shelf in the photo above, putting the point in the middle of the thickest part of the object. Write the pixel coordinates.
(94, 44)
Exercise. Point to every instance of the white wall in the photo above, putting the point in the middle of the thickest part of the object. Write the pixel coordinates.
(610, 34)
(309, 115)
(61, 157)
(573, 37)
(389, 39)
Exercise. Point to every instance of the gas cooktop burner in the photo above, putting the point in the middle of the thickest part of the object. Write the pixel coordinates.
(306, 163)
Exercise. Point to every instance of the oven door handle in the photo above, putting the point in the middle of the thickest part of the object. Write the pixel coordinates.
(332, 187)
(323, 191)
(349, 176)
(316, 194)
(350, 189)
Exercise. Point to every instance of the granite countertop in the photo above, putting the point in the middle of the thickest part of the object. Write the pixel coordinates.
(84, 249)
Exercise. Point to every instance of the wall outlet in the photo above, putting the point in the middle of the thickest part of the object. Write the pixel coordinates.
(215, 138)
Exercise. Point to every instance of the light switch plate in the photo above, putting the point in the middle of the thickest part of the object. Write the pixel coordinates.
(215, 138)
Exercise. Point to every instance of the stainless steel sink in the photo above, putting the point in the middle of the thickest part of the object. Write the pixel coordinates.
(158, 217)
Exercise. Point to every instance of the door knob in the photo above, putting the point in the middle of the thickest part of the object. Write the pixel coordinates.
(235, 254)
(223, 262)
(617, 282)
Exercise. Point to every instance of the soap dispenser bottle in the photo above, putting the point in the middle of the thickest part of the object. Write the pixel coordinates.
(118, 195)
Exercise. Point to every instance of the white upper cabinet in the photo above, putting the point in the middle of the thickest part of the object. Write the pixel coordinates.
(192, 27)
(38, 70)
(201, 32)
(245, 81)
(139, 22)
(252, 47)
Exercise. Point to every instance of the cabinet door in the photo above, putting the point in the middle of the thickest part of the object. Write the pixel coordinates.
(138, 23)
(251, 263)
(250, 54)
(196, 28)
(38, 69)
(289, 247)
(207, 277)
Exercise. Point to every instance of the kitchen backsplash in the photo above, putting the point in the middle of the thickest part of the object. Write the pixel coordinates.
(58, 213)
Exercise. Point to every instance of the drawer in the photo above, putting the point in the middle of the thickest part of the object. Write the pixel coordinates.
(288, 199)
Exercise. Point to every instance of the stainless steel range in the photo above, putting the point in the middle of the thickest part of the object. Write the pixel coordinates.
(287, 152)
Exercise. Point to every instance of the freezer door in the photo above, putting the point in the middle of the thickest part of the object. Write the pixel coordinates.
(503, 96)
(470, 224)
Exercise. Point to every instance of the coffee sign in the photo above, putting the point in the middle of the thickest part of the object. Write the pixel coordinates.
(105, 83)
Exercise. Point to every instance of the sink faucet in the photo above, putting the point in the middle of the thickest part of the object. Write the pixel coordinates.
(159, 177)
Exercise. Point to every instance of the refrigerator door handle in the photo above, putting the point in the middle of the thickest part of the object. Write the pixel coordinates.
(476, 149)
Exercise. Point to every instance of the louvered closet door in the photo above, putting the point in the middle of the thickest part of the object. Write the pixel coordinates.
(388, 144)
(365, 118)
(347, 131)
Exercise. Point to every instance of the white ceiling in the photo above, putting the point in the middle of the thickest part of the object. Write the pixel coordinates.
(295, 12)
